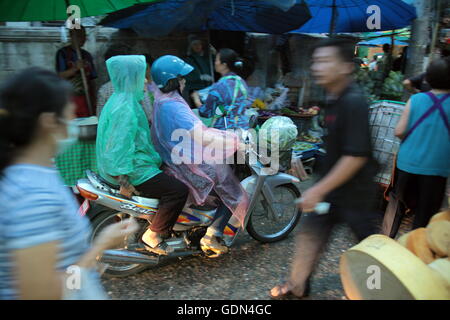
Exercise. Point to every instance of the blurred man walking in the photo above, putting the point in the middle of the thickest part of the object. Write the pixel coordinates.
(347, 170)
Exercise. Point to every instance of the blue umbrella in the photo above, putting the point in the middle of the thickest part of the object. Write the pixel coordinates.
(162, 18)
(341, 16)
(380, 41)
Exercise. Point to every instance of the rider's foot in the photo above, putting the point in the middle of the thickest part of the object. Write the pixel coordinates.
(155, 243)
(212, 244)
(162, 248)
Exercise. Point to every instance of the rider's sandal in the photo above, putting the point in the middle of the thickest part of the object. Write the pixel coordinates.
(163, 248)
(286, 290)
(212, 248)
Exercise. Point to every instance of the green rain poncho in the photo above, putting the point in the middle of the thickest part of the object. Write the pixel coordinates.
(123, 137)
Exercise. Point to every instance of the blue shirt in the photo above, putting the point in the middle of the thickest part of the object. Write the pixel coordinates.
(427, 150)
(36, 208)
(221, 94)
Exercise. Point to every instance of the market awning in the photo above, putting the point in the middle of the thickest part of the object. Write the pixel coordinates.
(160, 19)
(51, 10)
(340, 16)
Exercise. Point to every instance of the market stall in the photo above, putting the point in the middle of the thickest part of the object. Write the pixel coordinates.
(274, 102)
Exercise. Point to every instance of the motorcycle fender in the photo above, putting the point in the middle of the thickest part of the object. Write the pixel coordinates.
(270, 182)
(249, 184)
(280, 179)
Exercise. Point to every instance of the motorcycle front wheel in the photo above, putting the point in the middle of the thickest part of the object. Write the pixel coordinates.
(105, 218)
(262, 226)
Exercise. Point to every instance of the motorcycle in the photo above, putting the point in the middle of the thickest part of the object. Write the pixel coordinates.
(271, 216)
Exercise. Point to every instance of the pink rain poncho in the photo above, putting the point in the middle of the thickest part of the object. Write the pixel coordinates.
(188, 161)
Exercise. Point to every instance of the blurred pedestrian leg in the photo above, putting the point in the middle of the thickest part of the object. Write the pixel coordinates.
(315, 230)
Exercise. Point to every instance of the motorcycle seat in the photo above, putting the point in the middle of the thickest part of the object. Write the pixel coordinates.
(101, 180)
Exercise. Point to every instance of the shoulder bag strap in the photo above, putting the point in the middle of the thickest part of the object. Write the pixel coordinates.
(438, 104)
(435, 106)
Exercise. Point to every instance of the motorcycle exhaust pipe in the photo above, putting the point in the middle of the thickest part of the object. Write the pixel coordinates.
(125, 256)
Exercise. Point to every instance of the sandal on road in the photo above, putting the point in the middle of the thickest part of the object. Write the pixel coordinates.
(286, 290)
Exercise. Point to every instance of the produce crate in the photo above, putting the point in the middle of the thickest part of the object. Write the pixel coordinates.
(307, 153)
(383, 118)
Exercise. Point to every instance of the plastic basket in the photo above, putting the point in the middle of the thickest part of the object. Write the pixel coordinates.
(383, 118)
(305, 154)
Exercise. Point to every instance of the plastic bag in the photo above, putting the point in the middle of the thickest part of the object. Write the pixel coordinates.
(297, 169)
(315, 130)
(255, 93)
(279, 128)
(277, 98)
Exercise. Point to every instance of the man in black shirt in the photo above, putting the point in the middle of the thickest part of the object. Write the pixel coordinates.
(347, 170)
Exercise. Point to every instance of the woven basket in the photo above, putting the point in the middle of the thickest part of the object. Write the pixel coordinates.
(383, 118)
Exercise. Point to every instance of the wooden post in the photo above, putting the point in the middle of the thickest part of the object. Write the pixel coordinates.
(83, 72)
(334, 13)
(211, 63)
(85, 81)
(434, 38)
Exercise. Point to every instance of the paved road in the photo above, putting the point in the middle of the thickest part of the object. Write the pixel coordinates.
(245, 273)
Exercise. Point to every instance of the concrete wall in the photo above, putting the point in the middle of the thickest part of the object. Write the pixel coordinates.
(22, 47)
(26, 46)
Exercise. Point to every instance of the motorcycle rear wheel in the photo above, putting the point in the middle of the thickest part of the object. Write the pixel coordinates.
(115, 270)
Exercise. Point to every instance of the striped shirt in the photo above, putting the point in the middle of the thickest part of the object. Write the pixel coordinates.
(36, 208)
(221, 94)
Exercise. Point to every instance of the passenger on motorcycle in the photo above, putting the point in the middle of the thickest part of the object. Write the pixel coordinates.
(227, 99)
(172, 115)
(126, 156)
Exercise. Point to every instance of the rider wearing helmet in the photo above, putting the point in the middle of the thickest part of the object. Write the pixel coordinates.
(202, 172)
(125, 154)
